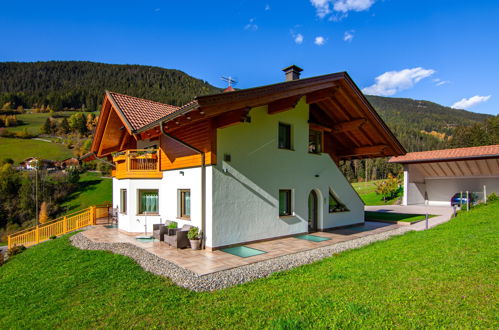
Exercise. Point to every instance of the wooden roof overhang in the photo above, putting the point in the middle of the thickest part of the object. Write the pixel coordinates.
(113, 132)
(353, 129)
(472, 166)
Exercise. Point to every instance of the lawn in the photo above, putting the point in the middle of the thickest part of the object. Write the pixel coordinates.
(92, 190)
(445, 277)
(367, 191)
(388, 216)
(20, 149)
(34, 121)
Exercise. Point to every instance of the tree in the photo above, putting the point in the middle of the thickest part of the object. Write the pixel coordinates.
(77, 123)
(64, 127)
(46, 127)
(388, 188)
(43, 217)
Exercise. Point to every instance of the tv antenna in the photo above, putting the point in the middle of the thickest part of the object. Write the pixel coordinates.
(229, 80)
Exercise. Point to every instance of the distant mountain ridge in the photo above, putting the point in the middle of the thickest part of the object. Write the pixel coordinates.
(74, 84)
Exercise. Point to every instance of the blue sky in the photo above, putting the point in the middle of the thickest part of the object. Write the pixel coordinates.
(441, 50)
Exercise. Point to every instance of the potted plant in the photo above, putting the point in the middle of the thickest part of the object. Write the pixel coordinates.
(172, 228)
(194, 238)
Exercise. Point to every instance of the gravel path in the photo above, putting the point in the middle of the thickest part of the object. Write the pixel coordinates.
(227, 278)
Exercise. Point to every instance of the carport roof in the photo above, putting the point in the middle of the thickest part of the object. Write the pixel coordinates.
(483, 152)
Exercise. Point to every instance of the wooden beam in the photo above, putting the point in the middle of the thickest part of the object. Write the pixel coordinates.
(319, 127)
(365, 151)
(231, 118)
(283, 104)
(349, 125)
(320, 95)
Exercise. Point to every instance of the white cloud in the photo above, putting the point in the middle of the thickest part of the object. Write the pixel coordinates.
(298, 38)
(440, 82)
(392, 82)
(267, 7)
(472, 101)
(345, 6)
(323, 7)
(348, 36)
(319, 41)
(251, 26)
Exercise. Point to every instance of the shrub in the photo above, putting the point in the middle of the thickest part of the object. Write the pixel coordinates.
(492, 197)
(172, 225)
(16, 249)
(193, 234)
(53, 237)
(2, 258)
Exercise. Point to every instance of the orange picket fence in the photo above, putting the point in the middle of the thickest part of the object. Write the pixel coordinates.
(59, 226)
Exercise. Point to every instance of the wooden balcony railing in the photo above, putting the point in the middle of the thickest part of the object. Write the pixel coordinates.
(137, 164)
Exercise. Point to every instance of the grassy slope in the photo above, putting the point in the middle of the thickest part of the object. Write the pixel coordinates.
(92, 190)
(20, 149)
(34, 121)
(366, 191)
(443, 277)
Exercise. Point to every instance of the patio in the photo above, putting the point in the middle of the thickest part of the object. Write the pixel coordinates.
(203, 262)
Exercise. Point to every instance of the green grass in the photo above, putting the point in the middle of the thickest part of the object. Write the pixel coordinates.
(20, 149)
(445, 277)
(388, 216)
(367, 191)
(34, 121)
(92, 190)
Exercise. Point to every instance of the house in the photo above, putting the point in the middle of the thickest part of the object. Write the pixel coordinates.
(72, 162)
(32, 163)
(244, 165)
(433, 177)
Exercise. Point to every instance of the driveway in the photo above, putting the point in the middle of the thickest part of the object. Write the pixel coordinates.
(443, 213)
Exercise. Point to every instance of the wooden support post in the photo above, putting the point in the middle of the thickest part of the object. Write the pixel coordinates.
(9, 243)
(37, 235)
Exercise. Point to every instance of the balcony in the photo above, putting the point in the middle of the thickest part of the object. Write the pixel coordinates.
(137, 164)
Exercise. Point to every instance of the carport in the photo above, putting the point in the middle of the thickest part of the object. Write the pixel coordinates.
(434, 176)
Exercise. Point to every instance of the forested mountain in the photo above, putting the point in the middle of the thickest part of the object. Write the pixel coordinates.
(74, 84)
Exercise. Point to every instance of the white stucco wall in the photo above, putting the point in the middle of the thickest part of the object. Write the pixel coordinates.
(414, 186)
(440, 190)
(168, 188)
(245, 190)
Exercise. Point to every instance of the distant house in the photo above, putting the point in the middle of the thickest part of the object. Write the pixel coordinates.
(70, 163)
(32, 163)
(243, 165)
(435, 176)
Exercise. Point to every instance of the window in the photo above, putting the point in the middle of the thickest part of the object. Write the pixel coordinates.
(284, 136)
(148, 201)
(185, 203)
(123, 201)
(314, 141)
(335, 205)
(285, 202)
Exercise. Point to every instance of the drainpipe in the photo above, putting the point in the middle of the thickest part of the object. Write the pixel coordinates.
(203, 181)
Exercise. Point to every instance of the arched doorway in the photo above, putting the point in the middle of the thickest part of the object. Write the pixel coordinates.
(313, 211)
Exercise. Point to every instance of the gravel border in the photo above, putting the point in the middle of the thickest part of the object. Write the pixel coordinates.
(230, 277)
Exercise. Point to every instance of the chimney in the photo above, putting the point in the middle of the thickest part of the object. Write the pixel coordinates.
(292, 72)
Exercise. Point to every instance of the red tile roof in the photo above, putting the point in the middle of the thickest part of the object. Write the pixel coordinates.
(140, 112)
(448, 154)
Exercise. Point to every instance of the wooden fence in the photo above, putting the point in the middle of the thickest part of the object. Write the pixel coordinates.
(59, 226)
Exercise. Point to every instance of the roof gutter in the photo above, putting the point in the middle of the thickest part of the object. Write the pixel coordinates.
(203, 179)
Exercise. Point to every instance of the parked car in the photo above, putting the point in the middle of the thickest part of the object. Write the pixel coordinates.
(457, 200)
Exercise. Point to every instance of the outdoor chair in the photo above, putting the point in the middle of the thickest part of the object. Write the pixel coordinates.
(113, 215)
(160, 230)
(179, 238)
